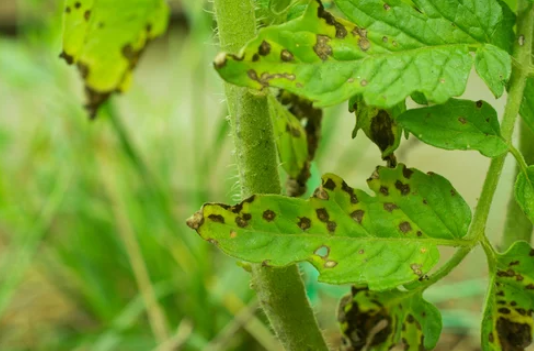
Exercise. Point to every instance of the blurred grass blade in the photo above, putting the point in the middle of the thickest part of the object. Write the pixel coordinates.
(19, 258)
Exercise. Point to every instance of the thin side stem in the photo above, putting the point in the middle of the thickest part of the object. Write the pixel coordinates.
(518, 226)
(280, 291)
(522, 51)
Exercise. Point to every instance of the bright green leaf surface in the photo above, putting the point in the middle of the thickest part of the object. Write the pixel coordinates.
(524, 192)
(348, 235)
(382, 320)
(493, 65)
(290, 139)
(457, 125)
(379, 125)
(391, 52)
(106, 38)
(508, 323)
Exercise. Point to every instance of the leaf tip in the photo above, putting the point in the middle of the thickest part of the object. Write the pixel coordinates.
(196, 220)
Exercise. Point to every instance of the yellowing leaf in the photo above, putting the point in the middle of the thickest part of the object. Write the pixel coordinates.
(380, 320)
(106, 38)
(508, 317)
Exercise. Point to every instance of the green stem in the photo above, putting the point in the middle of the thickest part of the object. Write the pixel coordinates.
(518, 226)
(522, 51)
(280, 291)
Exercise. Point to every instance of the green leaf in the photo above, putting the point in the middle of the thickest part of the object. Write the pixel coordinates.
(508, 322)
(349, 236)
(381, 320)
(493, 66)
(524, 192)
(378, 124)
(457, 125)
(106, 38)
(290, 139)
(419, 98)
(527, 105)
(390, 52)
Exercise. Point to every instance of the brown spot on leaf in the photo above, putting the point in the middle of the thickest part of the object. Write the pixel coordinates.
(384, 190)
(331, 225)
(216, 218)
(233, 234)
(479, 103)
(77, 5)
(382, 126)
(358, 215)
(255, 58)
(462, 120)
(387, 7)
(504, 310)
(322, 214)
(68, 58)
(304, 223)
(406, 172)
(321, 47)
(67, 9)
(403, 188)
(87, 15)
(513, 336)
(364, 82)
(350, 191)
(329, 184)
(514, 263)
(320, 193)
(264, 49)
(405, 227)
(341, 31)
(269, 215)
(241, 222)
(286, 56)
(388, 206)
(195, 221)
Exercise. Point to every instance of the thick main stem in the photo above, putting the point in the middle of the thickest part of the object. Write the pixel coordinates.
(518, 226)
(522, 52)
(280, 291)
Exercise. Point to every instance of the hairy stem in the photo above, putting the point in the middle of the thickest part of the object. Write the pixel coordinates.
(522, 52)
(280, 291)
(518, 226)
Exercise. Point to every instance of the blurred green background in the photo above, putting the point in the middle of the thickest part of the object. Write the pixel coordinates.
(93, 243)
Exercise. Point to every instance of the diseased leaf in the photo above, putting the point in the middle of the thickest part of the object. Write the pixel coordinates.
(380, 320)
(508, 323)
(493, 66)
(105, 40)
(349, 236)
(457, 125)
(310, 120)
(290, 139)
(379, 125)
(391, 51)
(524, 192)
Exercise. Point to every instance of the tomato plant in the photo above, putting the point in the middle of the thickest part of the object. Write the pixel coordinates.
(373, 55)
